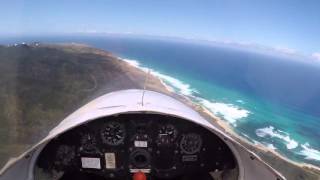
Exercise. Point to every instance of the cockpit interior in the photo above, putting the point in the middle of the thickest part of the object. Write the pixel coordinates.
(115, 147)
(140, 135)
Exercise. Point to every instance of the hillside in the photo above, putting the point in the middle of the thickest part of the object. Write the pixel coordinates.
(41, 84)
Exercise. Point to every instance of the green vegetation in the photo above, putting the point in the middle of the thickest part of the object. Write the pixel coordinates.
(42, 84)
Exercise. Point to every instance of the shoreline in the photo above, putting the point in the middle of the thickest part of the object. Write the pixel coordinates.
(128, 75)
(224, 126)
(158, 82)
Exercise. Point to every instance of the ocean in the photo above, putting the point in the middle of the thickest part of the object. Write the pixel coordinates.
(271, 100)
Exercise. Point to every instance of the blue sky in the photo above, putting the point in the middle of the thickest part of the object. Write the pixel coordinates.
(288, 25)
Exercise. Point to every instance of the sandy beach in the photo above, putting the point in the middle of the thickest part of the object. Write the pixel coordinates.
(290, 169)
(90, 73)
(145, 78)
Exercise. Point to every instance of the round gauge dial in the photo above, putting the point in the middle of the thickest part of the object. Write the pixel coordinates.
(88, 143)
(191, 143)
(113, 133)
(167, 134)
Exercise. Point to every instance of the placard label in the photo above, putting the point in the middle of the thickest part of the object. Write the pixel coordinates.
(92, 163)
(110, 160)
(141, 143)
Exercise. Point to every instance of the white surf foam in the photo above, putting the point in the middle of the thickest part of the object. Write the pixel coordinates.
(245, 135)
(265, 144)
(229, 112)
(270, 131)
(136, 64)
(181, 87)
(240, 101)
(256, 142)
(309, 153)
(271, 146)
(132, 62)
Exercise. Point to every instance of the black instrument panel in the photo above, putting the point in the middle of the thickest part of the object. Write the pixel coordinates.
(114, 147)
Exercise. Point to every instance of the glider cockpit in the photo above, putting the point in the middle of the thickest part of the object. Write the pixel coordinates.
(127, 132)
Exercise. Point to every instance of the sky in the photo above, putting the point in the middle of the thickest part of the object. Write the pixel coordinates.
(292, 26)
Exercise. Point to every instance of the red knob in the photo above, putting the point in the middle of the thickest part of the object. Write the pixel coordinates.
(139, 176)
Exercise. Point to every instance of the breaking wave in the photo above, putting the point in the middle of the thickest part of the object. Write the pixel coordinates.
(240, 101)
(270, 146)
(309, 153)
(182, 87)
(271, 132)
(232, 114)
(177, 85)
(265, 144)
(229, 112)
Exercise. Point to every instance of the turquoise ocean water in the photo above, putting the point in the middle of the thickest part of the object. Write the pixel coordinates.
(270, 100)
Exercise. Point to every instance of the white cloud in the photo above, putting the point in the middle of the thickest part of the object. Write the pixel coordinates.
(316, 55)
(285, 50)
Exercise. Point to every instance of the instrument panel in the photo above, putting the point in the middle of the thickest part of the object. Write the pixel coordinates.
(113, 133)
(117, 146)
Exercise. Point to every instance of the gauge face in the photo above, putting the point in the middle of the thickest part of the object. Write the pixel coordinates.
(113, 133)
(167, 134)
(191, 143)
(88, 143)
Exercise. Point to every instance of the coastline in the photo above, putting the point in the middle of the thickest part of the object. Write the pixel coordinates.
(261, 150)
(128, 75)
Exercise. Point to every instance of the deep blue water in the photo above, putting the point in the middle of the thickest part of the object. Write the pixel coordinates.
(271, 100)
